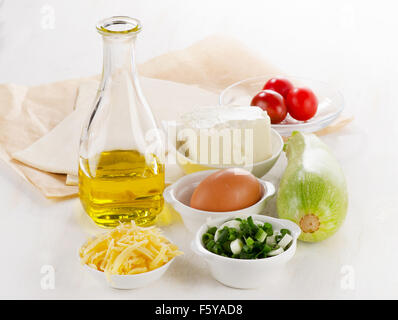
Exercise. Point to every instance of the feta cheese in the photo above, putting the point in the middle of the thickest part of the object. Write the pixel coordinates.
(226, 135)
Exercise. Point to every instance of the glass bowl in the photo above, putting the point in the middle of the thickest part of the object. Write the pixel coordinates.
(330, 102)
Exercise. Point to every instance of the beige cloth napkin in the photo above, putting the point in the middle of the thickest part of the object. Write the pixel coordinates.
(26, 114)
(38, 125)
(57, 151)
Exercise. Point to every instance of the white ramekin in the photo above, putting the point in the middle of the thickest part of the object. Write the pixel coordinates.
(132, 281)
(178, 195)
(245, 273)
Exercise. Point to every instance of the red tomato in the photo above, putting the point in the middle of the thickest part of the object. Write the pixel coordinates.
(273, 103)
(280, 85)
(301, 103)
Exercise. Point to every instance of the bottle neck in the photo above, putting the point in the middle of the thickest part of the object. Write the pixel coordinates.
(118, 56)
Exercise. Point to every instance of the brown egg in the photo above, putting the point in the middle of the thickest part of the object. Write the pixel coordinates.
(227, 190)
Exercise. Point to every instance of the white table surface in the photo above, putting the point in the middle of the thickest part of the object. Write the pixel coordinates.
(350, 44)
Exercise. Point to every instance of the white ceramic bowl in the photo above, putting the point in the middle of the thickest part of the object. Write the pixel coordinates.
(178, 195)
(133, 281)
(245, 273)
(330, 102)
(259, 169)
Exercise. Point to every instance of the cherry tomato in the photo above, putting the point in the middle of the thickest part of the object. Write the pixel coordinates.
(301, 103)
(273, 103)
(280, 85)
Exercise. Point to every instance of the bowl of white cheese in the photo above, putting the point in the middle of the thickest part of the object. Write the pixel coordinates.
(224, 137)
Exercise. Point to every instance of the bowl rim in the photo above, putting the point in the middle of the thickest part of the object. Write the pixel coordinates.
(131, 276)
(270, 159)
(269, 192)
(302, 124)
(198, 241)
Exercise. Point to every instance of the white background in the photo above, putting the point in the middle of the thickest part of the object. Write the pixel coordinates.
(351, 44)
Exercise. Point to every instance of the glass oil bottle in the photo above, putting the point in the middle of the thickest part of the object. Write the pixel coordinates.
(121, 160)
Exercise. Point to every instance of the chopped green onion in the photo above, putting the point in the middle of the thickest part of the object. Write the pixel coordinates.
(260, 235)
(250, 242)
(207, 237)
(275, 252)
(232, 234)
(210, 245)
(245, 228)
(258, 245)
(268, 229)
(227, 246)
(223, 236)
(245, 255)
(270, 240)
(286, 239)
(246, 240)
(266, 249)
(285, 231)
(252, 226)
(217, 248)
(236, 246)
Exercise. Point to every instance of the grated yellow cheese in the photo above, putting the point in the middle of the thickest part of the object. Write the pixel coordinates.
(128, 249)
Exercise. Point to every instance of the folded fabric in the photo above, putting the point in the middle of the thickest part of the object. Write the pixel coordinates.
(28, 113)
(58, 151)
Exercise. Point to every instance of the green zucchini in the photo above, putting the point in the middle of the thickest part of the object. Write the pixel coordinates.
(313, 191)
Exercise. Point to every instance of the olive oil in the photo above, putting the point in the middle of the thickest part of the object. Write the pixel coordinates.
(121, 166)
(123, 186)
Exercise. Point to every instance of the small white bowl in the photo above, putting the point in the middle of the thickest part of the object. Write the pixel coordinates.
(129, 281)
(178, 195)
(258, 169)
(245, 273)
(132, 281)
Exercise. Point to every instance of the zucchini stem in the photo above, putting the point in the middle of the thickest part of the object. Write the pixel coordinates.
(309, 223)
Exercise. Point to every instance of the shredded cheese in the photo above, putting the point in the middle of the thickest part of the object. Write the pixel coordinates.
(128, 249)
